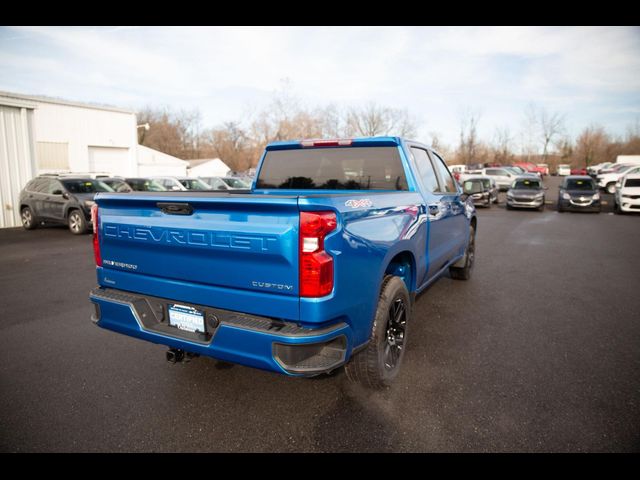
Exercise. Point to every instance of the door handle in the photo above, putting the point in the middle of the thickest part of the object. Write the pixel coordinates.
(175, 208)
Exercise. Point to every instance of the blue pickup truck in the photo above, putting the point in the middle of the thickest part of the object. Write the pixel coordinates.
(316, 267)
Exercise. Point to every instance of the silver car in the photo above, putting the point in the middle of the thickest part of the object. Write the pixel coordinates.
(526, 192)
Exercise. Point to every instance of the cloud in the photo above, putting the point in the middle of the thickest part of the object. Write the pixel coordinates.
(433, 72)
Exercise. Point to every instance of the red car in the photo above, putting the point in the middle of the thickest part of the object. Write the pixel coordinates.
(531, 167)
(579, 171)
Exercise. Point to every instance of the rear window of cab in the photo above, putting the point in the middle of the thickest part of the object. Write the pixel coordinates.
(333, 168)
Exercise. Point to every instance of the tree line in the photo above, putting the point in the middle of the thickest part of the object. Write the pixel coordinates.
(541, 138)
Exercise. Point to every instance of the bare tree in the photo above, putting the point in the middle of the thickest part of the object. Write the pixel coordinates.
(469, 146)
(436, 143)
(332, 121)
(175, 133)
(442, 148)
(529, 133)
(551, 125)
(592, 145)
(372, 120)
(231, 143)
(502, 146)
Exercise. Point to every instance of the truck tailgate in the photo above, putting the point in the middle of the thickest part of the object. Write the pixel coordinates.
(217, 240)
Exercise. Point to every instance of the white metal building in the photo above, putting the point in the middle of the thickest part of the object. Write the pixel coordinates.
(208, 167)
(43, 135)
(152, 162)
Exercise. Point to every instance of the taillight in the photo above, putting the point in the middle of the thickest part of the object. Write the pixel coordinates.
(96, 235)
(316, 265)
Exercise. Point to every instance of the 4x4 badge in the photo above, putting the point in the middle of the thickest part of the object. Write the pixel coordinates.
(362, 203)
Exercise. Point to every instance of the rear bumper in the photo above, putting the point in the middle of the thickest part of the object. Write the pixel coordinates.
(250, 340)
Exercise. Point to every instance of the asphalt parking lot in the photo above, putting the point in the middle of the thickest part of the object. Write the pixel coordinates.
(539, 351)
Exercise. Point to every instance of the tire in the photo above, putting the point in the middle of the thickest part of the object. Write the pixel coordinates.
(76, 222)
(379, 363)
(611, 188)
(464, 272)
(28, 218)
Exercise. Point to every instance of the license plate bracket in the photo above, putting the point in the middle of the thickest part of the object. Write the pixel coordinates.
(186, 318)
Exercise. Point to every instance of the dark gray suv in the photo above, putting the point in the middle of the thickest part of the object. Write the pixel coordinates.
(65, 200)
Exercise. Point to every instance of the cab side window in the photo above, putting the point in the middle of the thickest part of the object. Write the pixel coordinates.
(425, 169)
(448, 183)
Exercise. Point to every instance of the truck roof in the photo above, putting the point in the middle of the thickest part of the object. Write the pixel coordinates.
(335, 142)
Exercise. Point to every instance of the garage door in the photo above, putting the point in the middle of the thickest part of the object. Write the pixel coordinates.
(16, 160)
(109, 160)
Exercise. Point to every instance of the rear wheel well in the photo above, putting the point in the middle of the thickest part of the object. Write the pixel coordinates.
(403, 266)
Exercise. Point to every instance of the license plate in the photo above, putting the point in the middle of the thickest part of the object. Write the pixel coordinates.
(186, 318)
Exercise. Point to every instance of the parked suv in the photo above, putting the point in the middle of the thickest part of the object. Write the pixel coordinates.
(488, 193)
(118, 184)
(170, 183)
(579, 192)
(66, 200)
(627, 197)
(526, 192)
(145, 185)
(607, 178)
(503, 177)
(226, 183)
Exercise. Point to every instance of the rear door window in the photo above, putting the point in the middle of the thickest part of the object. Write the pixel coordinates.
(425, 169)
(448, 184)
(43, 186)
(54, 186)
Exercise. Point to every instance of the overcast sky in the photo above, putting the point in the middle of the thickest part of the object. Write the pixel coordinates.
(590, 74)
